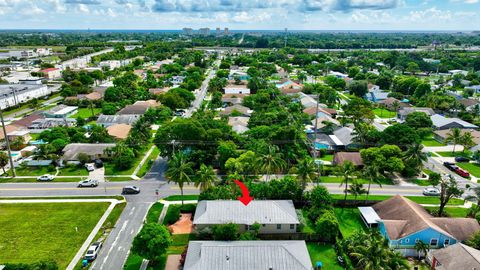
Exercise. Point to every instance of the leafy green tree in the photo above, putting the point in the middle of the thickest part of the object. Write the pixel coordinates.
(327, 225)
(358, 88)
(401, 135)
(152, 242)
(320, 198)
(225, 232)
(474, 240)
(418, 120)
(205, 177)
(415, 156)
(179, 171)
(448, 189)
(3, 160)
(306, 171)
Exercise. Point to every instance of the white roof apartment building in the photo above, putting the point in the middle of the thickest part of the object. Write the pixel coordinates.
(14, 94)
(251, 255)
(277, 216)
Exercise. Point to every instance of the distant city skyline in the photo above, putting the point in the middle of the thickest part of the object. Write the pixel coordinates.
(408, 15)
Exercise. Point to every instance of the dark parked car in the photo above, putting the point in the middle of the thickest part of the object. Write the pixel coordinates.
(98, 163)
(130, 190)
(450, 166)
(462, 159)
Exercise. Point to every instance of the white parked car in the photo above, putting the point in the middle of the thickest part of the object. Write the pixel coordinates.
(92, 251)
(46, 177)
(90, 167)
(431, 192)
(88, 183)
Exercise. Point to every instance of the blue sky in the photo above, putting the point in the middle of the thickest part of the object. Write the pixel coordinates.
(242, 14)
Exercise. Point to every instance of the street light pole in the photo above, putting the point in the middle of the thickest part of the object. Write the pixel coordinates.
(7, 142)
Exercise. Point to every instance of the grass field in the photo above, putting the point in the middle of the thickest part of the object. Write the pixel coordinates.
(417, 199)
(350, 221)
(327, 158)
(432, 142)
(325, 254)
(41, 231)
(454, 154)
(384, 113)
(73, 171)
(472, 168)
(335, 179)
(179, 197)
(452, 211)
(86, 112)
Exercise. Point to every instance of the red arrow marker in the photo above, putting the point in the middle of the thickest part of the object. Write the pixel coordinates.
(245, 199)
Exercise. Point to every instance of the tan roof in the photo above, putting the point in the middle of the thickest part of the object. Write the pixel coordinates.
(9, 129)
(239, 108)
(94, 96)
(342, 157)
(402, 217)
(322, 120)
(328, 111)
(234, 95)
(139, 107)
(158, 91)
(467, 102)
(28, 120)
(450, 258)
(119, 131)
(240, 120)
(475, 134)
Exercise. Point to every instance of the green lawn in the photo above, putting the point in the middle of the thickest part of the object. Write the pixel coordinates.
(472, 168)
(148, 164)
(327, 158)
(73, 171)
(42, 231)
(423, 183)
(111, 170)
(34, 171)
(338, 179)
(154, 213)
(86, 112)
(179, 197)
(432, 142)
(307, 224)
(456, 154)
(417, 199)
(179, 243)
(350, 221)
(325, 254)
(452, 211)
(384, 113)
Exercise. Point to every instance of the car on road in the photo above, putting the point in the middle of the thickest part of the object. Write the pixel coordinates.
(130, 190)
(88, 183)
(431, 192)
(462, 159)
(451, 166)
(462, 172)
(92, 251)
(180, 113)
(46, 177)
(90, 167)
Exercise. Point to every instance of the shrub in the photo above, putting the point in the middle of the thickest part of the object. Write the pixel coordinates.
(327, 225)
(225, 232)
(173, 214)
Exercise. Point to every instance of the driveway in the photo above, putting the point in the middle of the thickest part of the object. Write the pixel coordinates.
(97, 174)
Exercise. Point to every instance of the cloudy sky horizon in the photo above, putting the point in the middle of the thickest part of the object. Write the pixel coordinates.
(411, 15)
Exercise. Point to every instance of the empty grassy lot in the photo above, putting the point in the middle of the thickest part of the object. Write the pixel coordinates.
(40, 231)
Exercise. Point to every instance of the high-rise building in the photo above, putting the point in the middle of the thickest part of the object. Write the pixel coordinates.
(226, 31)
(218, 32)
(187, 31)
(204, 31)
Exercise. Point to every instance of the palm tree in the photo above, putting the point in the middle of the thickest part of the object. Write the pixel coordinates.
(467, 141)
(372, 173)
(306, 171)
(346, 170)
(356, 189)
(205, 177)
(179, 170)
(415, 153)
(397, 261)
(475, 198)
(421, 247)
(271, 162)
(455, 137)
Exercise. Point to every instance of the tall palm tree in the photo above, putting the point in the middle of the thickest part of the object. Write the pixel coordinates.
(346, 170)
(205, 177)
(372, 173)
(179, 171)
(455, 137)
(306, 171)
(467, 141)
(397, 262)
(356, 189)
(415, 153)
(421, 247)
(271, 162)
(476, 199)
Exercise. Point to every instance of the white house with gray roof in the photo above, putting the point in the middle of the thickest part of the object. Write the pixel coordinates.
(273, 216)
(441, 122)
(251, 255)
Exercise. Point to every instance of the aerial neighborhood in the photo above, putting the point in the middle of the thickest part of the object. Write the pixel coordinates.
(239, 150)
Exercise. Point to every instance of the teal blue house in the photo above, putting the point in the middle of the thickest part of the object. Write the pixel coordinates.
(403, 223)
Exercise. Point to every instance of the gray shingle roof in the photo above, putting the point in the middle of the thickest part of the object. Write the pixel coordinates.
(251, 255)
(263, 212)
(440, 121)
(457, 255)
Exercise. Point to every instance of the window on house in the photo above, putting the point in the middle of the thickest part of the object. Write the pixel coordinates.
(279, 226)
(446, 242)
(407, 241)
(247, 227)
(433, 242)
(417, 240)
(292, 226)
